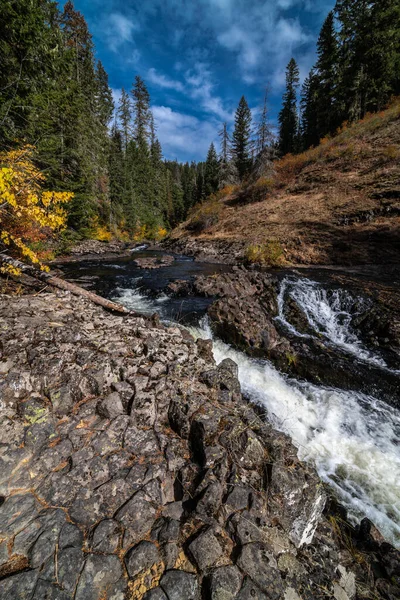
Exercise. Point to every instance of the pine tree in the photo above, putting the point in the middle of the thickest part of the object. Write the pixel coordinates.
(211, 171)
(309, 102)
(241, 142)
(288, 116)
(125, 117)
(227, 170)
(264, 133)
(383, 55)
(104, 99)
(324, 83)
(141, 109)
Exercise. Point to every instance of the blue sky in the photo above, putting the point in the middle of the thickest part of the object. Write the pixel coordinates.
(199, 56)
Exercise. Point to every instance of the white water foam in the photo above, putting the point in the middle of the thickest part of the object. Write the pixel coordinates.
(134, 300)
(328, 313)
(139, 248)
(353, 439)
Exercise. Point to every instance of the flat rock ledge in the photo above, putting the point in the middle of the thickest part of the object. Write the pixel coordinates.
(131, 468)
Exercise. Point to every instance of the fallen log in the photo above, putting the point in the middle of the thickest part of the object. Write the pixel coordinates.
(61, 284)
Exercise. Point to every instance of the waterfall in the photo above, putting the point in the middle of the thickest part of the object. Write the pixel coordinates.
(352, 439)
(329, 314)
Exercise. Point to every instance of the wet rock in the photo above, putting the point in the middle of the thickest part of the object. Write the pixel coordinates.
(154, 262)
(206, 550)
(178, 585)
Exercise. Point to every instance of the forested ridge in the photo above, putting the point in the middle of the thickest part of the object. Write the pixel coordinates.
(55, 98)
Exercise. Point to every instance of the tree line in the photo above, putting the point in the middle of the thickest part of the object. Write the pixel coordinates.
(56, 97)
(357, 71)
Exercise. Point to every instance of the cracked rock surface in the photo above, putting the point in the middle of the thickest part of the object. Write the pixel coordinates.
(131, 468)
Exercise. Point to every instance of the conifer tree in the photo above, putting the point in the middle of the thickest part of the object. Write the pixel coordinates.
(211, 171)
(227, 170)
(125, 117)
(141, 108)
(241, 142)
(288, 116)
(309, 102)
(264, 133)
(326, 79)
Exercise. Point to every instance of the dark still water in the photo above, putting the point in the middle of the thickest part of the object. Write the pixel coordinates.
(145, 290)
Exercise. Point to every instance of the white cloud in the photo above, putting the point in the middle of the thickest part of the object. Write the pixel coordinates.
(183, 135)
(118, 30)
(200, 87)
(163, 81)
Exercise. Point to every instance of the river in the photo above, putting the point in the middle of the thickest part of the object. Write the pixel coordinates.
(353, 438)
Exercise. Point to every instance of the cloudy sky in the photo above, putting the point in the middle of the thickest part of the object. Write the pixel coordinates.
(199, 56)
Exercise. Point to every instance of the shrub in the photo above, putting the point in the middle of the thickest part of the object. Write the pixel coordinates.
(206, 216)
(28, 214)
(290, 165)
(270, 253)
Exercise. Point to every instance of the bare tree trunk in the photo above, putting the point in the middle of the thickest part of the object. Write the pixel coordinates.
(65, 285)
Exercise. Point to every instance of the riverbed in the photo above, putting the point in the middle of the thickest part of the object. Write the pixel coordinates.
(351, 436)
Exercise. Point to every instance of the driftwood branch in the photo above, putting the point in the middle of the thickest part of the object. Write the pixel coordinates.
(61, 284)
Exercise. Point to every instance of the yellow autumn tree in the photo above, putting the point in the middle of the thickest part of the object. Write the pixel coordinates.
(27, 212)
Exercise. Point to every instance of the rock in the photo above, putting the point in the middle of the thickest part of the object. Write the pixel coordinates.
(154, 262)
(111, 406)
(192, 473)
(251, 591)
(106, 536)
(225, 583)
(238, 498)
(256, 560)
(178, 585)
(141, 558)
(206, 550)
(138, 516)
(101, 577)
(155, 594)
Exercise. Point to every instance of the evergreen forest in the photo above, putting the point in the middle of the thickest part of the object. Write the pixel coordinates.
(55, 97)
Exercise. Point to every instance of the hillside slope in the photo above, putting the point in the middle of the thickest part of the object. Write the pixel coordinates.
(336, 204)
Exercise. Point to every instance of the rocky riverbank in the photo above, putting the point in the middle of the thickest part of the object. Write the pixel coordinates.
(245, 314)
(132, 468)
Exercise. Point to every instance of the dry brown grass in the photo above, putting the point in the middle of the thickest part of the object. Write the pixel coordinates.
(338, 202)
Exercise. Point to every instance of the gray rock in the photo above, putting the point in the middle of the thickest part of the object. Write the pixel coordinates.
(179, 585)
(155, 594)
(111, 406)
(251, 591)
(141, 557)
(137, 516)
(255, 560)
(49, 591)
(225, 583)
(102, 577)
(18, 586)
(238, 498)
(106, 536)
(206, 550)
(69, 565)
